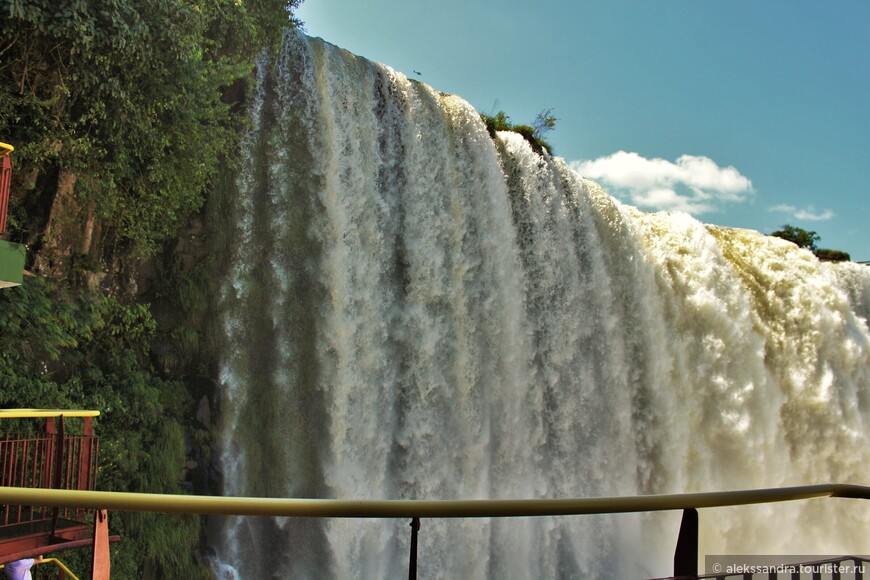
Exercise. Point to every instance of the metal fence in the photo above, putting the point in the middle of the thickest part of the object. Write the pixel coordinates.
(685, 556)
(52, 459)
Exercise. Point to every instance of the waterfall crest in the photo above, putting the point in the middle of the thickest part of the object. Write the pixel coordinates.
(417, 310)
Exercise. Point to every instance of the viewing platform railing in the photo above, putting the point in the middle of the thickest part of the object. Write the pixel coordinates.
(685, 557)
(51, 459)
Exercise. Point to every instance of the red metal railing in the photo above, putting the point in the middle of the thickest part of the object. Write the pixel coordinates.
(49, 460)
(5, 179)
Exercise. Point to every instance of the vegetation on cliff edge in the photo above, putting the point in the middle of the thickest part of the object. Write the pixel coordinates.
(118, 112)
(534, 133)
(808, 239)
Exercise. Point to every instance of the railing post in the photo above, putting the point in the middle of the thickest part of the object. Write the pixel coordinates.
(412, 566)
(100, 563)
(5, 180)
(686, 554)
(57, 478)
(87, 443)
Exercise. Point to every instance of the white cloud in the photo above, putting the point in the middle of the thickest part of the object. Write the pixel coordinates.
(694, 184)
(809, 213)
(670, 200)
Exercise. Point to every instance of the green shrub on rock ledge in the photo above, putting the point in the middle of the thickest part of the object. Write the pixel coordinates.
(544, 122)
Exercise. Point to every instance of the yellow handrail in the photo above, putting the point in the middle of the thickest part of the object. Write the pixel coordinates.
(60, 565)
(57, 563)
(33, 413)
(337, 508)
(8, 149)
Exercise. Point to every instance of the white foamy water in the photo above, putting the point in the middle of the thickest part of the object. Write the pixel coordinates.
(417, 311)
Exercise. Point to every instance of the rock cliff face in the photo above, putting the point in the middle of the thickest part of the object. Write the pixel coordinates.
(66, 244)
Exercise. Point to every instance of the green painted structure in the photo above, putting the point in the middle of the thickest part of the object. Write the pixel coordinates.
(11, 263)
(12, 255)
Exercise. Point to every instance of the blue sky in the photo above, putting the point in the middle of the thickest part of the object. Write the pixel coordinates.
(748, 114)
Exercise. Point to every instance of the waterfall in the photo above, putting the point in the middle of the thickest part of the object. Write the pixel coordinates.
(417, 310)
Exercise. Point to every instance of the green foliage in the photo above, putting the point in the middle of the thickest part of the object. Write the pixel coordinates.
(801, 237)
(127, 95)
(91, 351)
(826, 255)
(545, 121)
(499, 122)
(137, 99)
(808, 239)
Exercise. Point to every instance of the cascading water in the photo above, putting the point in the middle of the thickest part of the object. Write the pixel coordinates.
(416, 310)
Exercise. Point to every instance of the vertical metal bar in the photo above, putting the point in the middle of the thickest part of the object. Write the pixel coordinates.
(4, 449)
(58, 475)
(33, 467)
(94, 459)
(77, 471)
(69, 453)
(13, 474)
(85, 462)
(21, 464)
(43, 463)
(9, 448)
(51, 444)
(100, 561)
(87, 458)
(40, 461)
(412, 565)
(17, 467)
(5, 179)
(686, 554)
(3, 446)
(69, 477)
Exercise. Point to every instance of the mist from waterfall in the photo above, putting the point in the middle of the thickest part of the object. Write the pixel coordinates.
(417, 310)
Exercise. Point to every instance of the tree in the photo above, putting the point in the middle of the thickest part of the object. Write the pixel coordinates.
(120, 112)
(826, 255)
(803, 238)
(807, 239)
(89, 351)
(116, 109)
